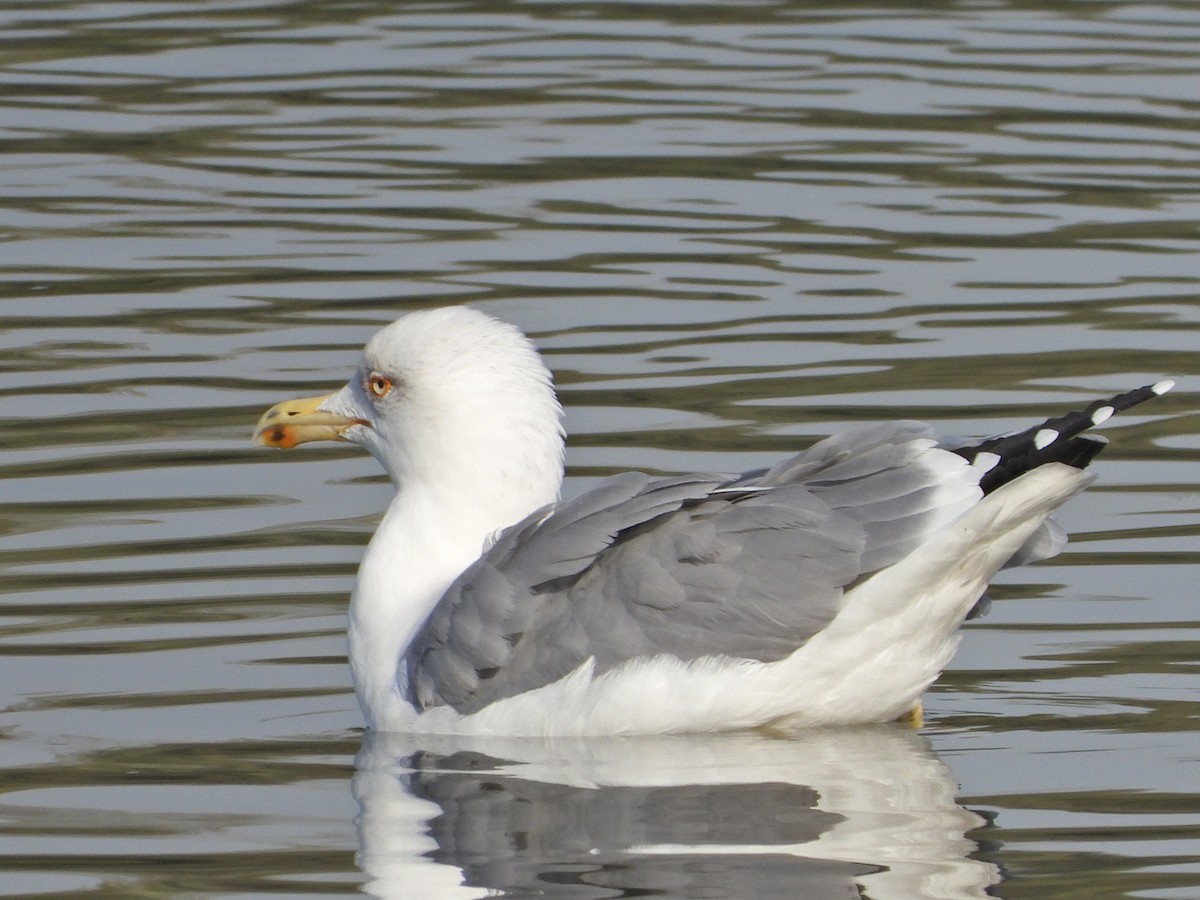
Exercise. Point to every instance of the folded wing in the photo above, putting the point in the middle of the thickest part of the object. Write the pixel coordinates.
(691, 567)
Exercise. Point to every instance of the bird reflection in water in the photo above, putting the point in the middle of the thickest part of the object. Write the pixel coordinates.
(826, 813)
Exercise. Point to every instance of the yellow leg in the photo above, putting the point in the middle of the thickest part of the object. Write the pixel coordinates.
(914, 717)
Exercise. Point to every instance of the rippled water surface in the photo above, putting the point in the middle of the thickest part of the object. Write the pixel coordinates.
(732, 228)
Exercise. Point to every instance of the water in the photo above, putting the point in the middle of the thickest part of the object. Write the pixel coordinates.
(733, 228)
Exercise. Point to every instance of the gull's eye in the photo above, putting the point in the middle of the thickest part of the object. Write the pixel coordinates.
(379, 385)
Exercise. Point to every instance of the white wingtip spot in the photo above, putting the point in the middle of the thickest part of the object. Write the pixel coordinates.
(1045, 438)
(985, 461)
(1103, 414)
(1163, 386)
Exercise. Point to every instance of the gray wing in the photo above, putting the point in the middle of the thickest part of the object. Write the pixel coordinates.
(691, 567)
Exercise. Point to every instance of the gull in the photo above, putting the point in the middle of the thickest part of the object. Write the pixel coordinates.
(827, 589)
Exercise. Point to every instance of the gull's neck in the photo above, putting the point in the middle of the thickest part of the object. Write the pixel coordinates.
(451, 500)
(419, 548)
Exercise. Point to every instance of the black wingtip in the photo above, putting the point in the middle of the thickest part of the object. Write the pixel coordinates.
(1061, 439)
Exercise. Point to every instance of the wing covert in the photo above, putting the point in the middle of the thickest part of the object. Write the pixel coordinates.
(691, 567)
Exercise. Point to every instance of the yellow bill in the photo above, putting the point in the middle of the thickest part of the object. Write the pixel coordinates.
(293, 422)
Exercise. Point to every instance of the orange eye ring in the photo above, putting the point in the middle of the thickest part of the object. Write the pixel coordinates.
(379, 385)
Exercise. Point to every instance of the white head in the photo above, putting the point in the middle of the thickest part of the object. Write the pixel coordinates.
(450, 400)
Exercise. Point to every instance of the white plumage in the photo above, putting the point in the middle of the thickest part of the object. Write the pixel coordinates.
(826, 590)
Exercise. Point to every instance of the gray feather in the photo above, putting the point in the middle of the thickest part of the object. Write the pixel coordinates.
(692, 567)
